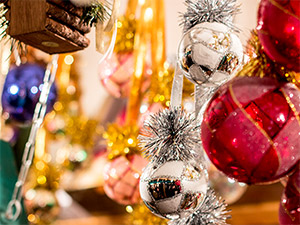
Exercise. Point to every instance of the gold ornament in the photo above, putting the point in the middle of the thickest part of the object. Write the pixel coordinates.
(140, 215)
(261, 66)
(121, 140)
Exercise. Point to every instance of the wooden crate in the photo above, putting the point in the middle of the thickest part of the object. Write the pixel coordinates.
(30, 23)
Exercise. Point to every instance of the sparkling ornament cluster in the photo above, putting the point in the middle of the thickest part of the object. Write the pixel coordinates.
(200, 11)
(170, 135)
(212, 211)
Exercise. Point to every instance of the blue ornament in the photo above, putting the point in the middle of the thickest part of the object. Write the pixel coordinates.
(21, 92)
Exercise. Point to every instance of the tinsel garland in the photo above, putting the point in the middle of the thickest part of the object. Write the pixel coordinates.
(200, 11)
(213, 211)
(121, 140)
(261, 65)
(171, 134)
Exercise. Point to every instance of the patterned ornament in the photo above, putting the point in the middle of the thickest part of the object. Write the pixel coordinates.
(174, 189)
(281, 42)
(21, 92)
(289, 210)
(246, 130)
(121, 178)
(173, 185)
(210, 53)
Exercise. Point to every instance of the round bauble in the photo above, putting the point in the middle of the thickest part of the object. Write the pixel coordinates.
(289, 210)
(174, 189)
(251, 129)
(21, 92)
(279, 31)
(209, 54)
(115, 73)
(121, 178)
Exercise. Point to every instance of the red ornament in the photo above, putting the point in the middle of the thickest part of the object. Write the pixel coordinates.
(251, 129)
(289, 210)
(279, 31)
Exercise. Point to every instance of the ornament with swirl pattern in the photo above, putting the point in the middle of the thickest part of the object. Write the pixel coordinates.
(209, 52)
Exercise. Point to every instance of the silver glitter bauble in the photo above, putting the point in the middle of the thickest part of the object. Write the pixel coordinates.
(174, 189)
(210, 53)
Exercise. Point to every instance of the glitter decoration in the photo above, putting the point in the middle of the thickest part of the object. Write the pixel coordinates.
(171, 134)
(121, 140)
(173, 189)
(213, 211)
(200, 11)
(246, 130)
(140, 215)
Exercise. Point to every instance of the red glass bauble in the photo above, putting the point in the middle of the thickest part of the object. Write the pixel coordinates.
(251, 129)
(279, 31)
(289, 210)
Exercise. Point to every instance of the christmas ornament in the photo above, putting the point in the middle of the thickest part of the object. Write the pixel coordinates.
(246, 130)
(116, 70)
(121, 178)
(209, 52)
(172, 185)
(42, 206)
(53, 26)
(21, 92)
(289, 210)
(115, 73)
(280, 42)
(173, 189)
(122, 174)
(229, 189)
(212, 211)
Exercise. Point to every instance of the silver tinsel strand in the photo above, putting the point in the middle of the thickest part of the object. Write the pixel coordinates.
(200, 11)
(212, 211)
(171, 134)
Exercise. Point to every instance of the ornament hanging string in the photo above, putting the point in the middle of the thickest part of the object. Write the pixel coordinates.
(14, 206)
(102, 30)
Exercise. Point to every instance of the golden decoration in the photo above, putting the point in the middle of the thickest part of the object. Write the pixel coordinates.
(121, 140)
(160, 90)
(126, 28)
(261, 65)
(141, 215)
